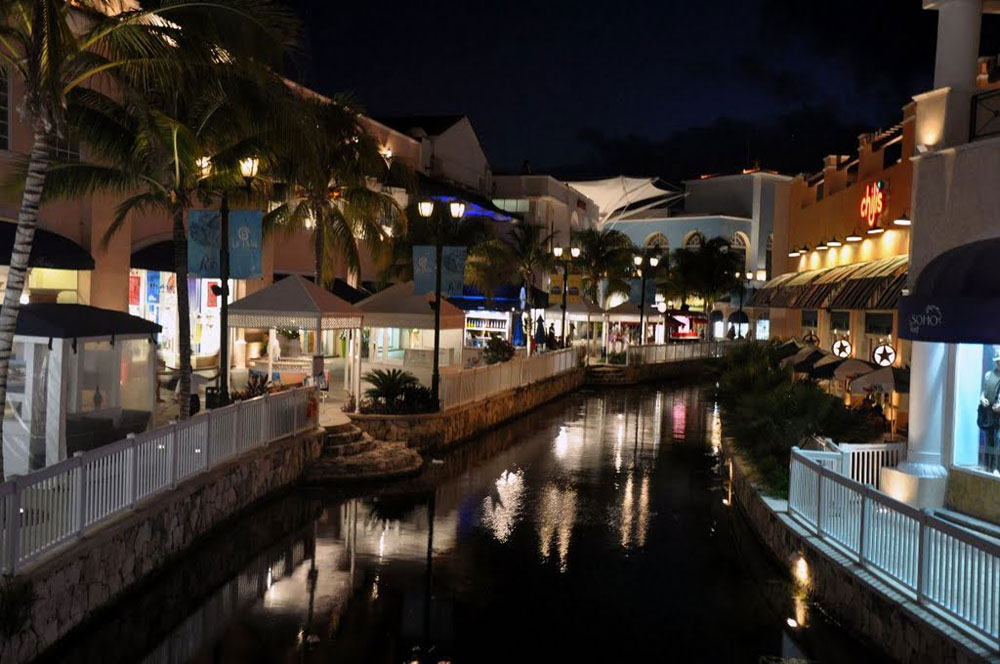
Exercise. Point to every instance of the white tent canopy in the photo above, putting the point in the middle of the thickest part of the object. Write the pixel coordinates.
(294, 302)
(614, 195)
(400, 307)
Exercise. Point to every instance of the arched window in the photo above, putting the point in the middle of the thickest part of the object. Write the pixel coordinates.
(694, 240)
(658, 241)
(740, 241)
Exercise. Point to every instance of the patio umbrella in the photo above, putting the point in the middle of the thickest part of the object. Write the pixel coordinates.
(670, 321)
(886, 379)
(517, 338)
(839, 368)
(787, 349)
(540, 331)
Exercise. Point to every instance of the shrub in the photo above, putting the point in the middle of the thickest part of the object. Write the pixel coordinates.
(766, 412)
(617, 358)
(396, 392)
(257, 385)
(497, 350)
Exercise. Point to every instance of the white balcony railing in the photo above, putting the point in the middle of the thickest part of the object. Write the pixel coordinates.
(678, 352)
(953, 570)
(45, 508)
(474, 384)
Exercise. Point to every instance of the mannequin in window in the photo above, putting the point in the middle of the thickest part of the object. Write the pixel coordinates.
(989, 412)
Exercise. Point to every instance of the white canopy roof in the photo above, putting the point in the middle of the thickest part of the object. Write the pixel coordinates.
(399, 307)
(613, 195)
(577, 311)
(293, 302)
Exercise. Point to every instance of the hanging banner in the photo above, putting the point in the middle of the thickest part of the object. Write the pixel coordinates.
(452, 269)
(423, 269)
(152, 287)
(245, 239)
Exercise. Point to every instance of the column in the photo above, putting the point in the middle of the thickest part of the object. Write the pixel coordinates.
(957, 55)
(921, 479)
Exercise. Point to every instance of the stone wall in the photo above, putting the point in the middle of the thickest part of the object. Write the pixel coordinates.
(90, 573)
(611, 375)
(858, 600)
(436, 431)
(974, 494)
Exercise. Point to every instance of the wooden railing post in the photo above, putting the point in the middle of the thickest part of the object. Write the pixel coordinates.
(238, 426)
(13, 524)
(819, 500)
(295, 408)
(863, 535)
(266, 427)
(81, 494)
(175, 455)
(208, 438)
(133, 469)
(922, 559)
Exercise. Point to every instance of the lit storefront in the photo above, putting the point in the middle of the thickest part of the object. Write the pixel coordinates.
(844, 253)
(54, 267)
(152, 294)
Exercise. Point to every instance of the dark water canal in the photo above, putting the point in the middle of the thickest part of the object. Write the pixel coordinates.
(597, 529)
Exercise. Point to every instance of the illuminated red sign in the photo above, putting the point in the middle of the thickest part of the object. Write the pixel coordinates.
(872, 202)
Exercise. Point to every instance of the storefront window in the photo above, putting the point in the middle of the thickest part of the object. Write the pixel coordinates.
(840, 322)
(878, 323)
(977, 407)
(809, 318)
(762, 330)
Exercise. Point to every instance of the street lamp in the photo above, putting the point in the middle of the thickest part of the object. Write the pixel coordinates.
(650, 257)
(558, 253)
(426, 210)
(744, 279)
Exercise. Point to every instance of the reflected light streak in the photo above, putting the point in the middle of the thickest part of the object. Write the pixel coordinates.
(618, 447)
(643, 524)
(715, 431)
(626, 526)
(556, 517)
(500, 516)
(562, 443)
(679, 415)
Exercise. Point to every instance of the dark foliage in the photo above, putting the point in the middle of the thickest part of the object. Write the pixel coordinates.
(767, 413)
(497, 350)
(396, 392)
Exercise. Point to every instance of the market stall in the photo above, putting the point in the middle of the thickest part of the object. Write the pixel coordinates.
(296, 304)
(400, 329)
(80, 377)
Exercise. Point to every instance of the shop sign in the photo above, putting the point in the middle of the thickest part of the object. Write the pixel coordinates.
(134, 288)
(950, 319)
(873, 202)
(244, 244)
(152, 287)
(452, 269)
(884, 355)
(842, 348)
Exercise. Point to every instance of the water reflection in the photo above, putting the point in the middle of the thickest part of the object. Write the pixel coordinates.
(595, 534)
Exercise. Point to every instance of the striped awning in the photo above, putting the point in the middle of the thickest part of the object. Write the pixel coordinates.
(875, 285)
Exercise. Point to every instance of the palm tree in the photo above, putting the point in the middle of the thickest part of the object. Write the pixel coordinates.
(606, 257)
(330, 187)
(60, 48)
(708, 271)
(513, 259)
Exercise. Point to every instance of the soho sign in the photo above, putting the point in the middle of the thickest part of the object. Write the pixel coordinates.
(930, 317)
(873, 202)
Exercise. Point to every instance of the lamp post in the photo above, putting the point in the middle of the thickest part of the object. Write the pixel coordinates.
(426, 210)
(745, 278)
(651, 258)
(558, 252)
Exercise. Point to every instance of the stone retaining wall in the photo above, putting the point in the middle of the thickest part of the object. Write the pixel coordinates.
(893, 624)
(437, 431)
(90, 573)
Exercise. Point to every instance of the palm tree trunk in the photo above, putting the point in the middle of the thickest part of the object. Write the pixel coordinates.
(318, 256)
(183, 313)
(27, 219)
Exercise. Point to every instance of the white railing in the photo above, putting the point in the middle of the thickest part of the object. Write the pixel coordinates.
(864, 462)
(474, 384)
(941, 565)
(676, 352)
(45, 508)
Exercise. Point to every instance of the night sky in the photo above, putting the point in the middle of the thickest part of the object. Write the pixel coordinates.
(655, 88)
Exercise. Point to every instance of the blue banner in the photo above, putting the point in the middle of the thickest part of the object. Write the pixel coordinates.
(245, 240)
(152, 287)
(423, 269)
(244, 244)
(452, 270)
(635, 287)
